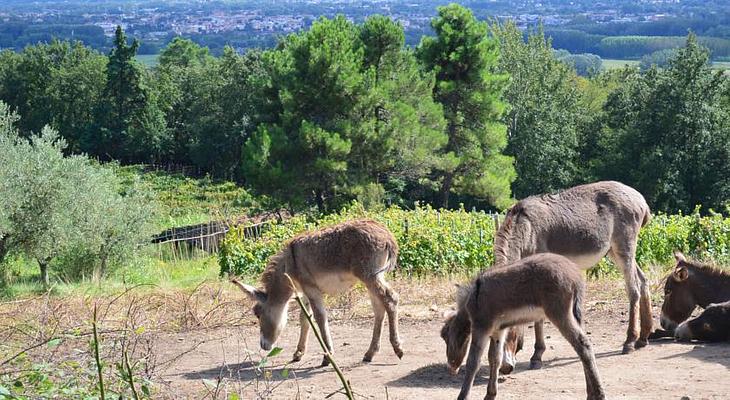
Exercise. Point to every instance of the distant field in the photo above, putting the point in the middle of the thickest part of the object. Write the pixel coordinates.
(614, 64)
(150, 60)
(721, 65)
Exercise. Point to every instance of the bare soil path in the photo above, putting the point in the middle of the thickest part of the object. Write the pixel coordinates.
(224, 360)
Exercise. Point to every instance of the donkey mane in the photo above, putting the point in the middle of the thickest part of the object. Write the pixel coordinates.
(273, 280)
(462, 295)
(710, 270)
(504, 234)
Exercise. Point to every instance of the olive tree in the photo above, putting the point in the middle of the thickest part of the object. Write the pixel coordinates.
(56, 206)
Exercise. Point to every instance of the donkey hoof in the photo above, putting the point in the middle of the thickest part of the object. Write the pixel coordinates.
(399, 353)
(297, 356)
(641, 343)
(325, 362)
(506, 369)
(367, 358)
(628, 348)
(535, 364)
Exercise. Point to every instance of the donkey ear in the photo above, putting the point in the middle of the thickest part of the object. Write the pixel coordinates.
(250, 291)
(679, 256)
(680, 274)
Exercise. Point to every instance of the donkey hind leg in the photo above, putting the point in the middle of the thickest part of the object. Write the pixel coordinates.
(320, 315)
(496, 352)
(572, 331)
(380, 289)
(473, 362)
(303, 331)
(536, 359)
(625, 260)
(647, 321)
(379, 310)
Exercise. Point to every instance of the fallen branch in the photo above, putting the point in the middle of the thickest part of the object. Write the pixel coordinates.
(327, 353)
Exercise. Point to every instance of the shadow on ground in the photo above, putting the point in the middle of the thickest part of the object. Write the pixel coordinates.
(718, 353)
(436, 375)
(250, 371)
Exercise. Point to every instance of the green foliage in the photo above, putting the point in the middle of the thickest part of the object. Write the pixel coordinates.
(660, 59)
(431, 241)
(129, 124)
(187, 201)
(184, 80)
(65, 209)
(463, 59)
(352, 108)
(667, 133)
(545, 115)
(443, 242)
(638, 46)
(585, 64)
(57, 84)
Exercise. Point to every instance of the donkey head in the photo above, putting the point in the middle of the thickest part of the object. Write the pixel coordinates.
(456, 332)
(713, 325)
(271, 314)
(678, 299)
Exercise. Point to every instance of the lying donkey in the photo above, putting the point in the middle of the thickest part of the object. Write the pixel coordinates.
(713, 325)
(541, 286)
(688, 286)
(583, 223)
(328, 261)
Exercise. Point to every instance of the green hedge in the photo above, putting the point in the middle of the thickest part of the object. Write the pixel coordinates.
(443, 242)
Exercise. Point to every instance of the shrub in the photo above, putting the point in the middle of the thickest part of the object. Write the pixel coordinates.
(442, 242)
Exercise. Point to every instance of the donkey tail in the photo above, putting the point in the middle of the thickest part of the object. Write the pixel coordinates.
(578, 306)
(392, 263)
(647, 218)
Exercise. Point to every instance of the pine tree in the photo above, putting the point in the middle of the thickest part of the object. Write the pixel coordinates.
(463, 59)
(131, 127)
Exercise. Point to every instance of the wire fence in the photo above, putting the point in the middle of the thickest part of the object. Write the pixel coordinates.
(202, 240)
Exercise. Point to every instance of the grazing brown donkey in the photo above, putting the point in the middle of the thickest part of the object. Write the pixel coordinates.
(583, 223)
(540, 286)
(329, 261)
(688, 286)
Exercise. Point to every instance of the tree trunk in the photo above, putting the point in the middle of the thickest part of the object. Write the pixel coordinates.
(446, 189)
(44, 273)
(319, 198)
(3, 248)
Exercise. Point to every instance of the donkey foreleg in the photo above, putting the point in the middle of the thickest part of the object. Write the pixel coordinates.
(536, 359)
(303, 331)
(496, 351)
(571, 330)
(473, 362)
(320, 315)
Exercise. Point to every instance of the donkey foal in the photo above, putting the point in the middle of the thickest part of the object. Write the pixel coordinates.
(541, 286)
(328, 261)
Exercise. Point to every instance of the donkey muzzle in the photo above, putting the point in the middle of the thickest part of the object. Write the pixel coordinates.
(508, 363)
(668, 324)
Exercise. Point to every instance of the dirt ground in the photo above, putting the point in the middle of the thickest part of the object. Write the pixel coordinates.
(225, 360)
